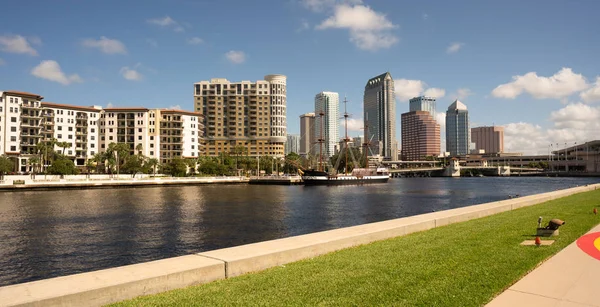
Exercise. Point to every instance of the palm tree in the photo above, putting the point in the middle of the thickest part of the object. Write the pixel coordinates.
(152, 163)
(34, 161)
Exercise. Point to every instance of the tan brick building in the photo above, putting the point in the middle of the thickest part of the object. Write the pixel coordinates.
(248, 114)
(490, 139)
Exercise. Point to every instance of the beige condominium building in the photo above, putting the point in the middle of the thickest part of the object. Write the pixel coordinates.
(175, 134)
(126, 125)
(248, 114)
(490, 139)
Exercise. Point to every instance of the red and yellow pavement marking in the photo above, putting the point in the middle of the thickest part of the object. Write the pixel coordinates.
(590, 244)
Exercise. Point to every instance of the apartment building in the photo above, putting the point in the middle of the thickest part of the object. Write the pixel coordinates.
(248, 114)
(77, 126)
(126, 125)
(20, 125)
(179, 134)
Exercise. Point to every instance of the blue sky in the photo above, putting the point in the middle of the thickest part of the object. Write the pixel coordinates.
(149, 53)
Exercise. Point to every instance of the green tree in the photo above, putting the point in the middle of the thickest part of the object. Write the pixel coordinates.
(151, 165)
(134, 165)
(6, 166)
(176, 168)
(63, 166)
(292, 163)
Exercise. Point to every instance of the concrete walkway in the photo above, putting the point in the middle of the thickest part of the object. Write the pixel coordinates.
(570, 278)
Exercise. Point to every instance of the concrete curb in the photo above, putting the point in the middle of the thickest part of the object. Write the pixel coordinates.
(121, 283)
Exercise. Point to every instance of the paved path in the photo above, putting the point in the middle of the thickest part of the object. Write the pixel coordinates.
(570, 278)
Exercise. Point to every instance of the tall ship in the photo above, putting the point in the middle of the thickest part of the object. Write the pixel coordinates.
(358, 175)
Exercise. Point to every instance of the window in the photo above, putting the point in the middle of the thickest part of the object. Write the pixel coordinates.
(13, 129)
(110, 138)
(92, 130)
(93, 145)
(93, 153)
(70, 136)
(151, 145)
(152, 153)
(93, 137)
(139, 129)
(13, 138)
(13, 148)
(70, 128)
(110, 130)
(140, 137)
(59, 136)
(59, 128)
(13, 119)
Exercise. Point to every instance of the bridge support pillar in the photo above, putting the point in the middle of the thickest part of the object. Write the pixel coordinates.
(453, 169)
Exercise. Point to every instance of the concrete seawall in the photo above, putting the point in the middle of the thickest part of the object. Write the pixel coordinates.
(116, 284)
(104, 183)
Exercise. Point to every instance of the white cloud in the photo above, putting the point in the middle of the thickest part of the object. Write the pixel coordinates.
(152, 42)
(163, 22)
(131, 74)
(560, 85)
(35, 40)
(106, 45)
(175, 107)
(406, 89)
(17, 44)
(354, 124)
(235, 57)
(321, 5)
(369, 30)
(50, 70)
(179, 29)
(195, 41)
(574, 123)
(454, 47)
(425, 16)
(109, 105)
(592, 94)
(440, 118)
(461, 93)
(435, 92)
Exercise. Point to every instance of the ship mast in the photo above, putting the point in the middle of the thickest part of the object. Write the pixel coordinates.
(346, 137)
(366, 143)
(321, 140)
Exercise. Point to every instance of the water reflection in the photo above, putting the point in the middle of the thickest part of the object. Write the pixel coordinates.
(52, 233)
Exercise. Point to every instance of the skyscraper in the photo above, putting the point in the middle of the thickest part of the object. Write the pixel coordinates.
(307, 134)
(292, 144)
(490, 139)
(458, 134)
(420, 136)
(423, 103)
(249, 114)
(380, 116)
(327, 104)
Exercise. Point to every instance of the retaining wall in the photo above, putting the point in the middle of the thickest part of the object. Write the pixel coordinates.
(121, 283)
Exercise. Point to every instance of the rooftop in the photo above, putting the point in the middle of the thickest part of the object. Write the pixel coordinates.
(457, 105)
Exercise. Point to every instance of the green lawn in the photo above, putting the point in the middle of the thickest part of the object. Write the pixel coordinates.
(464, 264)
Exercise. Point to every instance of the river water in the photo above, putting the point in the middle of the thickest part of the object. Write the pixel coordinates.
(46, 234)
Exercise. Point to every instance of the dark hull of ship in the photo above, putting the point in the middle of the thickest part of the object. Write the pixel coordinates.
(318, 180)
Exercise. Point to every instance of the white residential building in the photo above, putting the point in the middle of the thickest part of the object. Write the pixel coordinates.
(292, 144)
(327, 113)
(75, 125)
(20, 126)
(179, 136)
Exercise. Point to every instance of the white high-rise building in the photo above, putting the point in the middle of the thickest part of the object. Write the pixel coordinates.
(327, 113)
(292, 144)
(380, 116)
